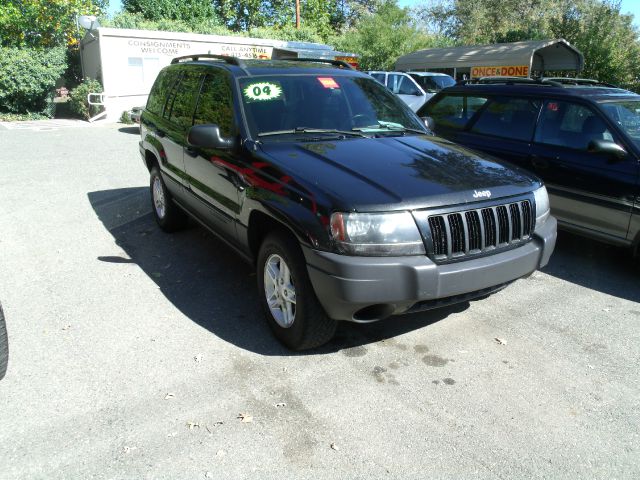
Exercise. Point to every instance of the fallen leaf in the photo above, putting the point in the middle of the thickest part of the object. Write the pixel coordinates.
(169, 395)
(334, 446)
(281, 404)
(198, 357)
(193, 425)
(245, 417)
(500, 341)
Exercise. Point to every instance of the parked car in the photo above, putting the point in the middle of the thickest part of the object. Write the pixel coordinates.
(4, 345)
(580, 136)
(135, 113)
(336, 192)
(414, 88)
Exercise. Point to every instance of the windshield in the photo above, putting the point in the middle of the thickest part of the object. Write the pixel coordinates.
(627, 115)
(296, 104)
(435, 82)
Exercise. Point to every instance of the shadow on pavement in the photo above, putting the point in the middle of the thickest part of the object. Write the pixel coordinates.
(135, 130)
(595, 265)
(211, 285)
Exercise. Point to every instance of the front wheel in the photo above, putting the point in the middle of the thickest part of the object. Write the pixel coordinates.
(290, 305)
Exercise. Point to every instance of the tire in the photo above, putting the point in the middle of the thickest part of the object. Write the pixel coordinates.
(167, 214)
(308, 326)
(4, 346)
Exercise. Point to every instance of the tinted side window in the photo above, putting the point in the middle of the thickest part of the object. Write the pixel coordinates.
(454, 111)
(160, 91)
(379, 77)
(570, 125)
(215, 104)
(509, 118)
(185, 99)
(407, 87)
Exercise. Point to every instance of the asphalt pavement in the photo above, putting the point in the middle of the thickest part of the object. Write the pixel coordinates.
(135, 354)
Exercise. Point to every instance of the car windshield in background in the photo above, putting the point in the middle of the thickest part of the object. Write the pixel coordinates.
(303, 104)
(436, 82)
(627, 115)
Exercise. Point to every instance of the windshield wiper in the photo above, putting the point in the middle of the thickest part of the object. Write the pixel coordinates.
(312, 130)
(390, 127)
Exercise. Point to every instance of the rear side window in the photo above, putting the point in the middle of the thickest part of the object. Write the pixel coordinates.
(570, 125)
(160, 91)
(379, 77)
(513, 118)
(215, 104)
(185, 99)
(455, 111)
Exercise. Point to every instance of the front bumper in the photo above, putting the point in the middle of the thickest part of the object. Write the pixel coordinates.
(371, 288)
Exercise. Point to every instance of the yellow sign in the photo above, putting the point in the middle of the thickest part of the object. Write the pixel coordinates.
(508, 71)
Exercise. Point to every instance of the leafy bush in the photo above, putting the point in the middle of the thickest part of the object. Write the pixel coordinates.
(27, 77)
(126, 118)
(78, 99)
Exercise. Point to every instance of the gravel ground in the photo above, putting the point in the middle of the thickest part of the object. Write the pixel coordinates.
(133, 353)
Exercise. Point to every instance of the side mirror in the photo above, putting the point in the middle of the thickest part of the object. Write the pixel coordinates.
(429, 122)
(208, 136)
(607, 147)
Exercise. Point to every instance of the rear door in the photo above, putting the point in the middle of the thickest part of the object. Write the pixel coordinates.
(588, 190)
(504, 128)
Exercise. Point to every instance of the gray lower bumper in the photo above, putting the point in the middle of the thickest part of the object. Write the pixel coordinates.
(390, 285)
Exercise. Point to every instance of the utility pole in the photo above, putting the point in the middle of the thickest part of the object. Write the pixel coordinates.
(298, 14)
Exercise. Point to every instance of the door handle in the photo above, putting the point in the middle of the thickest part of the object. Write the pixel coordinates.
(539, 162)
(193, 153)
(160, 133)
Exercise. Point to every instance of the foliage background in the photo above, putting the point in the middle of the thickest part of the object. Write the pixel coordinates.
(34, 32)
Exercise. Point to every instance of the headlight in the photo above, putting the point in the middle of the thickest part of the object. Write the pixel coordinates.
(542, 206)
(376, 234)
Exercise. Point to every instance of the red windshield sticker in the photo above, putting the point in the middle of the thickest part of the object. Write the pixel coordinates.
(328, 82)
(553, 106)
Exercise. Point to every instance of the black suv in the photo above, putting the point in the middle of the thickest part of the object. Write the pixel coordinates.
(335, 190)
(580, 136)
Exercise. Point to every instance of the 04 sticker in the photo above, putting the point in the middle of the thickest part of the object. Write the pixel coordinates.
(257, 92)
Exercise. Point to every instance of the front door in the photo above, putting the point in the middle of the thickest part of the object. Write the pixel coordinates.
(587, 190)
(213, 175)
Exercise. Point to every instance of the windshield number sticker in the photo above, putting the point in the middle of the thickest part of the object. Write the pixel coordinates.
(262, 91)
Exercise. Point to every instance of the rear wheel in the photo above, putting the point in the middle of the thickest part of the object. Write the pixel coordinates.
(168, 215)
(4, 346)
(290, 305)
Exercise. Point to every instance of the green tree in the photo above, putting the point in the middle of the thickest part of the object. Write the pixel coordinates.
(380, 38)
(43, 23)
(183, 10)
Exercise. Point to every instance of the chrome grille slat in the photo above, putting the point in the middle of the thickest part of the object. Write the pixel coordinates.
(472, 232)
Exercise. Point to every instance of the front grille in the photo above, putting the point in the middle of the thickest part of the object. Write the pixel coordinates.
(472, 232)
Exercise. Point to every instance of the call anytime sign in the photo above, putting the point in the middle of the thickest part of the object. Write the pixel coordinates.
(507, 71)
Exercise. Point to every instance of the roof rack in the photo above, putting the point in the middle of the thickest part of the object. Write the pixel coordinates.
(580, 81)
(204, 56)
(335, 63)
(510, 81)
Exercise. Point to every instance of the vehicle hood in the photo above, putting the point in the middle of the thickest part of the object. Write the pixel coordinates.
(414, 171)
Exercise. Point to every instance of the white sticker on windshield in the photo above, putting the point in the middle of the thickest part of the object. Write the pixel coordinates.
(257, 92)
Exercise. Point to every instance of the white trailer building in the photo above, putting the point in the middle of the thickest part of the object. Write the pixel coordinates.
(127, 62)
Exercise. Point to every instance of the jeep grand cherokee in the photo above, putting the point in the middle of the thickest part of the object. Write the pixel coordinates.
(335, 191)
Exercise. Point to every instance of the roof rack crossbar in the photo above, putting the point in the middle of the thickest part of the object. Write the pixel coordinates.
(194, 58)
(510, 81)
(335, 63)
